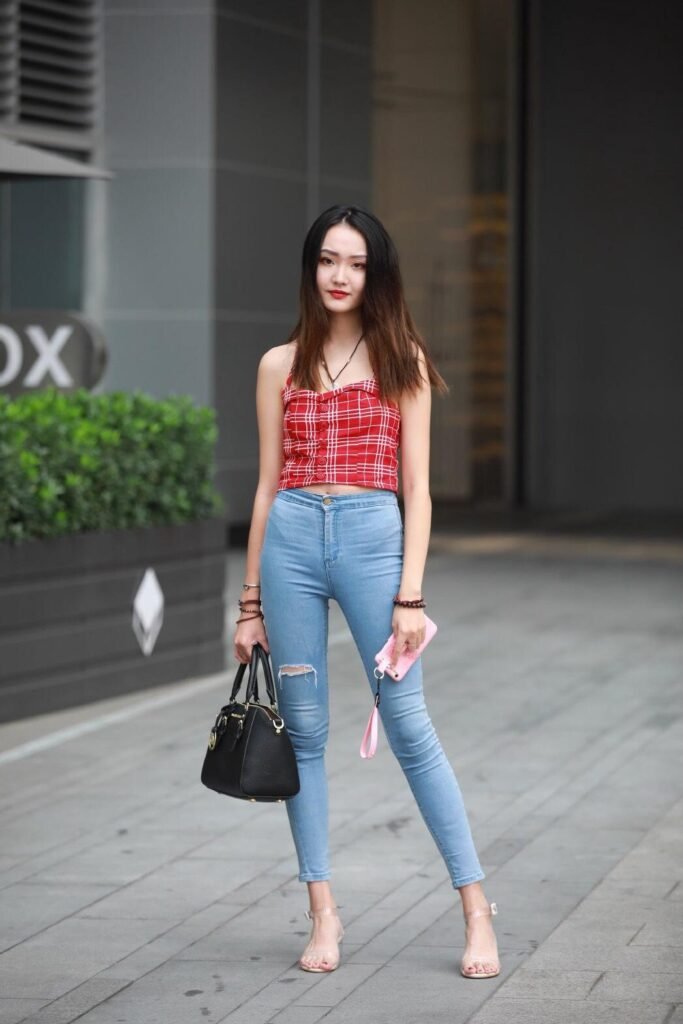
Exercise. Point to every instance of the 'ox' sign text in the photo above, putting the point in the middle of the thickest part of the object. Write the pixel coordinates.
(48, 361)
(45, 348)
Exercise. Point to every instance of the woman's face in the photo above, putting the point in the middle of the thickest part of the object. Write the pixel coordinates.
(342, 268)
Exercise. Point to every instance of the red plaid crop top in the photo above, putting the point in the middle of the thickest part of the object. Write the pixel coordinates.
(344, 436)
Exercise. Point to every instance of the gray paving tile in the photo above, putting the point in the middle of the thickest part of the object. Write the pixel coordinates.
(254, 1012)
(636, 910)
(589, 956)
(171, 943)
(118, 860)
(182, 990)
(78, 1001)
(175, 890)
(332, 988)
(535, 983)
(393, 994)
(565, 1011)
(7, 862)
(14, 1010)
(624, 889)
(572, 934)
(26, 909)
(297, 1014)
(639, 984)
(66, 954)
(561, 852)
(663, 934)
(31, 834)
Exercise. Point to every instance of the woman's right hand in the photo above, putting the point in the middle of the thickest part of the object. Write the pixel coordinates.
(246, 635)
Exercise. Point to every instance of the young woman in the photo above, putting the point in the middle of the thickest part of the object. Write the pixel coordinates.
(351, 383)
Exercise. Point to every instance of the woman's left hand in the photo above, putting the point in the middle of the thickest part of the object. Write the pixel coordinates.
(409, 626)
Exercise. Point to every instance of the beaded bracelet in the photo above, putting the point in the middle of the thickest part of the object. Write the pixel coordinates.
(245, 618)
(418, 602)
(245, 606)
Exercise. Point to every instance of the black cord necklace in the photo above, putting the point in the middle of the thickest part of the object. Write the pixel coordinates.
(333, 379)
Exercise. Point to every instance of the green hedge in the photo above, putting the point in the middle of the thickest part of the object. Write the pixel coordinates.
(73, 462)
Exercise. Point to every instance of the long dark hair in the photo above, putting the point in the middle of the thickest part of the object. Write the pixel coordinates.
(388, 327)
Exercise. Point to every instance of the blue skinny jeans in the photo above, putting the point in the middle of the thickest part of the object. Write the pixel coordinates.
(349, 547)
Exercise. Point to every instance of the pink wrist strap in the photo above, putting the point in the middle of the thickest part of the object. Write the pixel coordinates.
(368, 744)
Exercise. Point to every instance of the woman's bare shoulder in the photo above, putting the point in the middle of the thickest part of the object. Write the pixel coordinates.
(276, 362)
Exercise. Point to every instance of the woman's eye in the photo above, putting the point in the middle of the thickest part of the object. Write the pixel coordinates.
(326, 259)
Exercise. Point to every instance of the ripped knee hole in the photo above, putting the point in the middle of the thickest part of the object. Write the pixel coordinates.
(297, 670)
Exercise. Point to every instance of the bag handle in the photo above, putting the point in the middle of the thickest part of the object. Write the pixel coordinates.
(238, 679)
(258, 655)
(252, 686)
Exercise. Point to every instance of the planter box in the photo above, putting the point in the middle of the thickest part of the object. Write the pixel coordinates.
(66, 614)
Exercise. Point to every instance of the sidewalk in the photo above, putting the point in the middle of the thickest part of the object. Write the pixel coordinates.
(130, 893)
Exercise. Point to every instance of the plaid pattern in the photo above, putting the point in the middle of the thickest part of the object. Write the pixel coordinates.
(344, 436)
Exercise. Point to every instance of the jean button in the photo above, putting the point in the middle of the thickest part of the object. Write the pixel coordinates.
(327, 501)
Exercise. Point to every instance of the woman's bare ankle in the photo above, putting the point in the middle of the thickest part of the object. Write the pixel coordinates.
(473, 897)
(320, 895)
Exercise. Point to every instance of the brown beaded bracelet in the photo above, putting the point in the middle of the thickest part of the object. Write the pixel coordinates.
(418, 602)
(245, 618)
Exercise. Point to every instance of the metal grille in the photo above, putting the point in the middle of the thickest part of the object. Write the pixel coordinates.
(9, 60)
(49, 53)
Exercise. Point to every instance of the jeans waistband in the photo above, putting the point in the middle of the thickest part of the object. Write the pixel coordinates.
(357, 499)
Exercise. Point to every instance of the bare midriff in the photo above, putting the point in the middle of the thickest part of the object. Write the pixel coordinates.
(336, 488)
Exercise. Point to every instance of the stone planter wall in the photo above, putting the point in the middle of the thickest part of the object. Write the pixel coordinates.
(66, 610)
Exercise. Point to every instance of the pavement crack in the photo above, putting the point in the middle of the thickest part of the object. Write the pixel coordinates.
(636, 934)
(596, 982)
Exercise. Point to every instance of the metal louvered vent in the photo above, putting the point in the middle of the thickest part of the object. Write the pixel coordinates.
(57, 63)
(9, 60)
(49, 57)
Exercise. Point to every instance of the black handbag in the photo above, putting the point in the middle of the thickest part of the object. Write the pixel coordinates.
(250, 754)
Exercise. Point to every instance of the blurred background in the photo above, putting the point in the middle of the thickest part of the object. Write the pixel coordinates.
(525, 156)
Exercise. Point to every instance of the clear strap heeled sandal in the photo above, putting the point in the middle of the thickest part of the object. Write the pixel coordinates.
(468, 962)
(319, 959)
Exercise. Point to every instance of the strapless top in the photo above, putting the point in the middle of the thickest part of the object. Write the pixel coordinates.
(345, 436)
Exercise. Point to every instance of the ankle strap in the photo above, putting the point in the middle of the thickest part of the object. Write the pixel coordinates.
(310, 914)
(482, 911)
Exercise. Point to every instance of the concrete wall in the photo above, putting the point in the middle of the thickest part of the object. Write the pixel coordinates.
(159, 84)
(605, 360)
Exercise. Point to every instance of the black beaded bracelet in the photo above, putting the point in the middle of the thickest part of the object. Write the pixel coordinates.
(418, 602)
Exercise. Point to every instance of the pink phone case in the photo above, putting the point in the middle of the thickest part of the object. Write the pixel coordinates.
(406, 659)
